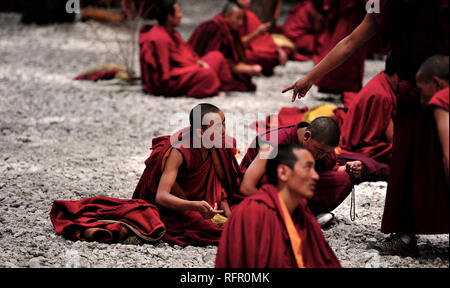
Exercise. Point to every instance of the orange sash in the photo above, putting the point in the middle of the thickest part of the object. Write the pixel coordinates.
(296, 241)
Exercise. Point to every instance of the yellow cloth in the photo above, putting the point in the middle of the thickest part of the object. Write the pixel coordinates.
(323, 110)
(296, 241)
(282, 41)
(219, 220)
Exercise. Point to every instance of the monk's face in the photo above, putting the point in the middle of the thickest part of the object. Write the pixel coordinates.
(428, 89)
(302, 180)
(214, 130)
(235, 19)
(245, 3)
(317, 149)
(175, 19)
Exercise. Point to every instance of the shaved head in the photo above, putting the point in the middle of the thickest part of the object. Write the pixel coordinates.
(325, 130)
(230, 7)
(435, 66)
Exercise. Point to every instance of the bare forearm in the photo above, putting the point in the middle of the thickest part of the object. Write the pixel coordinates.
(172, 202)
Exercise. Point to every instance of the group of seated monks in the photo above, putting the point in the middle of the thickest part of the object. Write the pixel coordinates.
(267, 210)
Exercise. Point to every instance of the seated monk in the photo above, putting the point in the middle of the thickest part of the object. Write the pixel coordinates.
(170, 67)
(260, 47)
(190, 176)
(275, 228)
(302, 26)
(368, 127)
(222, 34)
(320, 137)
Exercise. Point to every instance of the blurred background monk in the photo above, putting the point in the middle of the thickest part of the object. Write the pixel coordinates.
(222, 34)
(415, 31)
(170, 67)
(188, 182)
(368, 126)
(275, 228)
(259, 45)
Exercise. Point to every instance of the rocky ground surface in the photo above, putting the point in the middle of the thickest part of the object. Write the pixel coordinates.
(67, 140)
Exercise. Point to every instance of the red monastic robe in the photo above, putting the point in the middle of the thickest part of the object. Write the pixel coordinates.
(104, 219)
(299, 27)
(417, 193)
(262, 50)
(440, 100)
(255, 236)
(333, 186)
(169, 66)
(365, 124)
(198, 180)
(215, 35)
(342, 18)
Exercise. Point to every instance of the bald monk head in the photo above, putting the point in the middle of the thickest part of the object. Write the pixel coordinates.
(208, 124)
(320, 137)
(432, 77)
(168, 13)
(292, 170)
(234, 15)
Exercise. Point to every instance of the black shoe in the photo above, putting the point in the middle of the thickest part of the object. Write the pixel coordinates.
(393, 245)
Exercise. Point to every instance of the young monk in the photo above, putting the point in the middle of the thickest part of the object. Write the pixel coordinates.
(408, 206)
(222, 34)
(368, 126)
(260, 47)
(275, 228)
(170, 67)
(320, 137)
(190, 176)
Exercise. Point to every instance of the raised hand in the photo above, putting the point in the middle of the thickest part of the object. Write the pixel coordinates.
(300, 88)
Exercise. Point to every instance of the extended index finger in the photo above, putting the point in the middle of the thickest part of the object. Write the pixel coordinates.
(288, 88)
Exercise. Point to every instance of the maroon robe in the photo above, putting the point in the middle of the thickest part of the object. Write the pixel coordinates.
(215, 35)
(262, 50)
(255, 236)
(417, 193)
(169, 66)
(367, 119)
(299, 27)
(342, 18)
(104, 219)
(197, 179)
(440, 99)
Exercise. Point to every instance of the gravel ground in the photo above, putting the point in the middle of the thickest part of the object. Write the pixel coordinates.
(65, 139)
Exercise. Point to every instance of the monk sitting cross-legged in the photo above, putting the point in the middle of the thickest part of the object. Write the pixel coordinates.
(222, 34)
(191, 176)
(320, 137)
(275, 228)
(170, 67)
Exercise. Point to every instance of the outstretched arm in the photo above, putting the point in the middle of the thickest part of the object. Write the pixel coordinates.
(170, 201)
(441, 117)
(338, 55)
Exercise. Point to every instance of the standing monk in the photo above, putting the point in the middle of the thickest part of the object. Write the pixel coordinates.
(222, 34)
(275, 228)
(170, 67)
(260, 47)
(190, 175)
(368, 126)
(415, 31)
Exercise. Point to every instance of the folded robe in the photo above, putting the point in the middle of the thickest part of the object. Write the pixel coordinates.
(104, 219)
(199, 180)
(215, 35)
(255, 236)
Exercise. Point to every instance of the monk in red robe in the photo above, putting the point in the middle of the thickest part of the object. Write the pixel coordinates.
(190, 183)
(368, 126)
(320, 137)
(170, 67)
(222, 34)
(260, 47)
(415, 31)
(303, 25)
(341, 17)
(275, 228)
